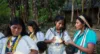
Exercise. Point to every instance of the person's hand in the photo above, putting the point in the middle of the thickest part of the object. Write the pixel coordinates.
(53, 40)
(72, 43)
(68, 42)
(62, 41)
(9, 53)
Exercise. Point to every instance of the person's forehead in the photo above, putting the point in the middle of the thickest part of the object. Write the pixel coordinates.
(60, 21)
(16, 25)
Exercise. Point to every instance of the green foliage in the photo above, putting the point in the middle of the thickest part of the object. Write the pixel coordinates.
(43, 14)
(4, 12)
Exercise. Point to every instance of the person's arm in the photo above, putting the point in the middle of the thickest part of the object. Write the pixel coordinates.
(88, 50)
(67, 38)
(32, 45)
(50, 41)
(49, 38)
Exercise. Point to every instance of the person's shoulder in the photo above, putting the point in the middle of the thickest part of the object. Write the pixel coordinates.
(91, 31)
(51, 29)
(1, 34)
(40, 32)
(4, 39)
(25, 37)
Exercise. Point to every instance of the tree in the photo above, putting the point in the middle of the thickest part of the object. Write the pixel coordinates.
(98, 16)
(82, 6)
(35, 11)
(24, 10)
(12, 7)
(72, 14)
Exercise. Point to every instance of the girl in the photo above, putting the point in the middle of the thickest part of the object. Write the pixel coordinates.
(57, 36)
(85, 38)
(16, 41)
(34, 32)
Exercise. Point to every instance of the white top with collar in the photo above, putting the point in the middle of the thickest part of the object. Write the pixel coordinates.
(24, 46)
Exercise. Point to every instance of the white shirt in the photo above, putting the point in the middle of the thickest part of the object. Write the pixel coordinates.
(1, 35)
(53, 48)
(50, 35)
(24, 46)
(39, 37)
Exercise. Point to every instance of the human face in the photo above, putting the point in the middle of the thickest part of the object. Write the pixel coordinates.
(59, 24)
(30, 28)
(16, 29)
(79, 25)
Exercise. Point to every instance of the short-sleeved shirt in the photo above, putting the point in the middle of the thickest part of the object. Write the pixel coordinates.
(53, 48)
(90, 38)
(39, 36)
(24, 46)
(51, 31)
(1, 35)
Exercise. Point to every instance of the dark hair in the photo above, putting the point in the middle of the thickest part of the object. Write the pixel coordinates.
(58, 18)
(42, 46)
(88, 19)
(15, 21)
(34, 25)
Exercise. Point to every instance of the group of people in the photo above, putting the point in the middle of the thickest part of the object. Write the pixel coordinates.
(18, 40)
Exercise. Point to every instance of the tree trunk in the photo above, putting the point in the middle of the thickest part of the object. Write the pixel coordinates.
(72, 14)
(12, 7)
(89, 6)
(82, 6)
(26, 12)
(35, 12)
(49, 9)
(98, 16)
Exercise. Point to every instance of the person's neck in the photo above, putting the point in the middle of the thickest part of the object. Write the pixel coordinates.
(82, 30)
(58, 31)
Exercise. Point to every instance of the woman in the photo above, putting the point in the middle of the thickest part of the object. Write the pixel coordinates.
(85, 38)
(17, 41)
(34, 32)
(56, 36)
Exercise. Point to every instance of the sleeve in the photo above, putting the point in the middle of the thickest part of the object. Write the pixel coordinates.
(48, 35)
(40, 36)
(0, 46)
(66, 37)
(2, 42)
(1, 35)
(91, 37)
(31, 43)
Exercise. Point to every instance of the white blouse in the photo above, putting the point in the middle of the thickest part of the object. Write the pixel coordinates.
(1, 35)
(24, 46)
(50, 35)
(39, 37)
(53, 48)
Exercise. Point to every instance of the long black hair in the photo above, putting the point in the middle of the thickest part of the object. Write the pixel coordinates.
(34, 26)
(88, 19)
(58, 18)
(15, 21)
